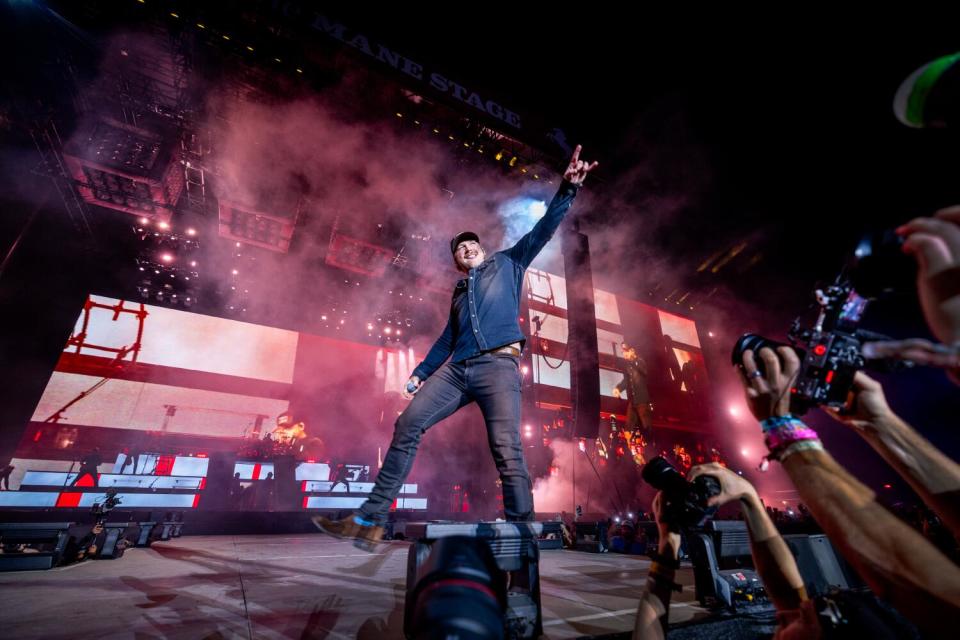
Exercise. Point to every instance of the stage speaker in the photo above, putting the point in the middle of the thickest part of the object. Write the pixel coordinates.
(288, 493)
(581, 335)
(52, 537)
(820, 566)
(115, 531)
(143, 538)
(590, 536)
(215, 495)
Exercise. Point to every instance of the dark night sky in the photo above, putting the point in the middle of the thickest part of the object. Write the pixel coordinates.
(782, 125)
(792, 120)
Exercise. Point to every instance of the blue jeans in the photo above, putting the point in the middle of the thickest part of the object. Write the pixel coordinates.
(493, 382)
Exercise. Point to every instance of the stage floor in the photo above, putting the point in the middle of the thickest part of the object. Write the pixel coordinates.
(298, 586)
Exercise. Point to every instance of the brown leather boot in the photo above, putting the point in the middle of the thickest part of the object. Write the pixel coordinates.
(364, 536)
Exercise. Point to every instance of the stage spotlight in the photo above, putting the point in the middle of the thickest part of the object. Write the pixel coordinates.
(191, 231)
(163, 225)
(166, 257)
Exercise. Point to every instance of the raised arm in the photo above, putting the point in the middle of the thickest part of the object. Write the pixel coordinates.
(530, 245)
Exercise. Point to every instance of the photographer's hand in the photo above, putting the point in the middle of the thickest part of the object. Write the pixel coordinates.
(732, 486)
(919, 351)
(768, 394)
(935, 243)
(867, 408)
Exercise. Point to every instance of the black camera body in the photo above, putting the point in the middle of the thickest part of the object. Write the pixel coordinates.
(101, 509)
(828, 363)
(684, 503)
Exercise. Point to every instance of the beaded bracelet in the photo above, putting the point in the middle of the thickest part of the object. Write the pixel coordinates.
(776, 421)
(782, 433)
(781, 437)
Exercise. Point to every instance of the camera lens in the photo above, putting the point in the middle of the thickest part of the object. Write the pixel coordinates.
(460, 592)
(660, 474)
(754, 343)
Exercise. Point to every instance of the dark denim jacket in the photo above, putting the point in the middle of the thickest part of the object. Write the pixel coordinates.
(486, 304)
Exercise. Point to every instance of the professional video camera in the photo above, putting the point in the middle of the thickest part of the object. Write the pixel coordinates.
(684, 503)
(830, 351)
(101, 509)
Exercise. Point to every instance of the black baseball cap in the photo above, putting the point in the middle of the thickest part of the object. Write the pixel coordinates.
(461, 237)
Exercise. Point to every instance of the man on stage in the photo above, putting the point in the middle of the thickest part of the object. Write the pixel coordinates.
(482, 339)
(634, 382)
(89, 466)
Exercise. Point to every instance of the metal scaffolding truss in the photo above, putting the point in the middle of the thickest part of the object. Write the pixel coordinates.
(148, 74)
(49, 146)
